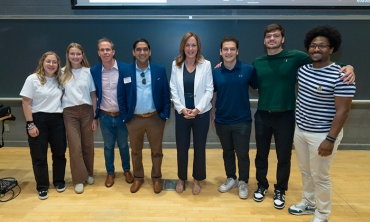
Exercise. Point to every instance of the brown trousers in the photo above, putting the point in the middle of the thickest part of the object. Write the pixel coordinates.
(78, 122)
(153, 127)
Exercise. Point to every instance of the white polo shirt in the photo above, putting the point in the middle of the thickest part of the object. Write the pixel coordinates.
(78, 88)
(45, 98)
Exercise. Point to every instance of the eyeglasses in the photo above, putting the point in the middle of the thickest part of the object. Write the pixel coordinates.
(51, 62)
(143, 76)
(321, 46)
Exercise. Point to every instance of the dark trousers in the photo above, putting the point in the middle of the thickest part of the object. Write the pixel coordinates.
(235, 138)
(281, 125)
(153, 126)
(52, 131)
(200, 126)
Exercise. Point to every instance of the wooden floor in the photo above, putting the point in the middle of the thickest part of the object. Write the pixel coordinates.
(350, 176)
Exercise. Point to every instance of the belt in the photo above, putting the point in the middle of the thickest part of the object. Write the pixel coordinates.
(276, 111)
(114, 114)
(147, 114)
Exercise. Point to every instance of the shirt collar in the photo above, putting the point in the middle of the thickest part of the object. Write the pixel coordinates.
(238, 65)
(139, 70)
(115, 66)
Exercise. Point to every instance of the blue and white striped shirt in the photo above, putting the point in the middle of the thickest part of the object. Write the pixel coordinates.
(317, 88)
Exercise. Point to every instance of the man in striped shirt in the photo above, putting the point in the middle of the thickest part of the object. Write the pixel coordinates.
(277, 76)
(322, 108)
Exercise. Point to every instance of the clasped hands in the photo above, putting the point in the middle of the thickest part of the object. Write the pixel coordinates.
(190, 113)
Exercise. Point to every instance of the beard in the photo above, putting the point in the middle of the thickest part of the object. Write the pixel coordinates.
(317, 59)
(278, 45)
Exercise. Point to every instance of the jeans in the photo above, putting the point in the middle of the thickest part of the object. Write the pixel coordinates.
(281, 125)
(51, 131)
(113, 129)
(235, 138)
(199, 125)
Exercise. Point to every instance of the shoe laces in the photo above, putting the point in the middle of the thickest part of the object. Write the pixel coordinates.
(278, 195)
(242, 185)
(260, 190)
(228, 181)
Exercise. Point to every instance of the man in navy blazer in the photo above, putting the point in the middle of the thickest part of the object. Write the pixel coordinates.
(106, 75)
(144, 105)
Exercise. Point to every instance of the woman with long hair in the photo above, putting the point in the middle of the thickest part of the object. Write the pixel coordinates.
(79, 103)
(41, 101)
(191, 90)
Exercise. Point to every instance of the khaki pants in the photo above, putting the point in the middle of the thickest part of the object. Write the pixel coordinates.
(78, 122)
(315, 170)
(153, 126)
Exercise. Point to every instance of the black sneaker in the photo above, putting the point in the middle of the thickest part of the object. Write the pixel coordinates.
(60, 187)
(279, 200)
(259, 194)
(43, 195)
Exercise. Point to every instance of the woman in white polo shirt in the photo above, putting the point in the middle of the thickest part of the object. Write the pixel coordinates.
(41, 101)
(79, 103)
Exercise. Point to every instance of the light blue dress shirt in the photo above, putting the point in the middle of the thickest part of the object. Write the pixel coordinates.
(144, 101)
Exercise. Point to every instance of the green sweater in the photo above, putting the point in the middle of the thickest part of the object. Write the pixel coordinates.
(277, 77)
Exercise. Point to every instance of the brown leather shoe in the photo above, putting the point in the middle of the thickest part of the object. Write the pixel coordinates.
(110, 180)
(157, 186)
(136, 185)
(128, 177)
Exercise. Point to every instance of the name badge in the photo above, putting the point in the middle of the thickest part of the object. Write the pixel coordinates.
(127, 80)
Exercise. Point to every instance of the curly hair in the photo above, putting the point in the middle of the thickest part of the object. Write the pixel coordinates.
(40, 72)
(331, 33)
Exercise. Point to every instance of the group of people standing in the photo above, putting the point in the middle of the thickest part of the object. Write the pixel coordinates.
(133, 99)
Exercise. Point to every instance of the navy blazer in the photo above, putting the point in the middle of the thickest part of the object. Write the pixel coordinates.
(127, 92)
(96, 74)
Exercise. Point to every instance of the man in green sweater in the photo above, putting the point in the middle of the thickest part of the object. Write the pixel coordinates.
(277, 72)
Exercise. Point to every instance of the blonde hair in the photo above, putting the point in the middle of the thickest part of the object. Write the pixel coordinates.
(181, 58)
(68, 68)
(40, 72)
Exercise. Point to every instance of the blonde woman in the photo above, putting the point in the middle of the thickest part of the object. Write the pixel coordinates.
(191, 90)
(79, 103)
(41, 101)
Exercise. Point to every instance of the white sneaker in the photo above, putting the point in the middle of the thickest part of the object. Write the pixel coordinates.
(279, 199)
(315, 219)
(229, 183)
(90, 180)
(301, 209)
(243, 190)
(79, 188)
